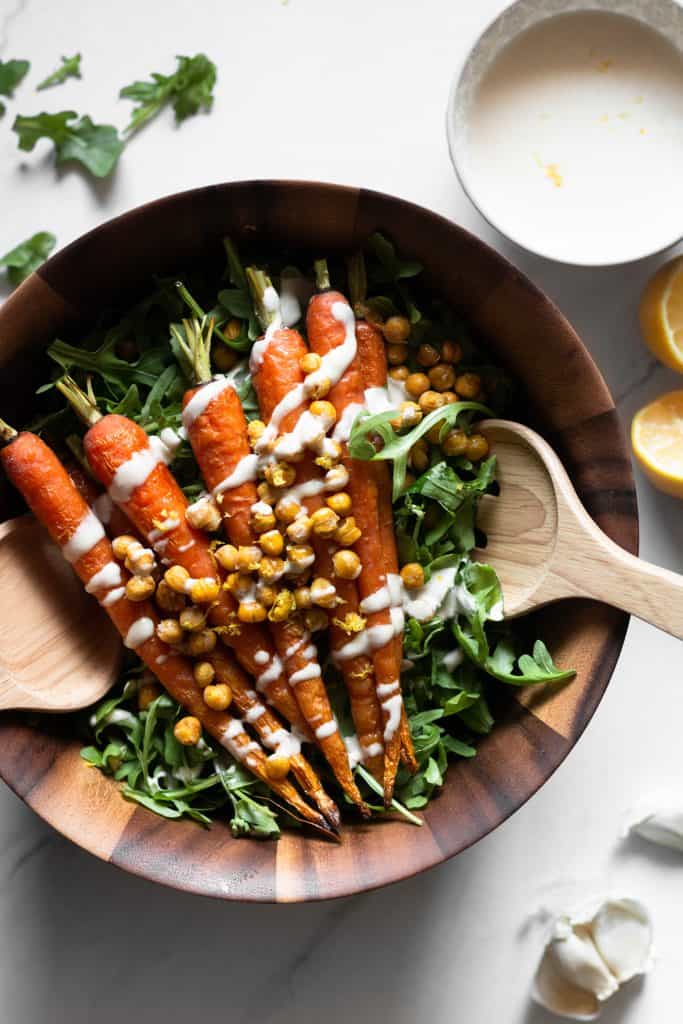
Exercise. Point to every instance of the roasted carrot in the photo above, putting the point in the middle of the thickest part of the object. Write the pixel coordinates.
(217, 430)
(372, 359)
(276, 375)
(328, 320)
(134, 471)
(110, 515)
(37, 473)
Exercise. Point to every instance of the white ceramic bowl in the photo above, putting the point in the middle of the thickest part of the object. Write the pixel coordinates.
(647, 228)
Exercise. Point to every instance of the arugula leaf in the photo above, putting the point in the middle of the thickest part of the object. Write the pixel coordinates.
(69, 68)
(106, 363)
(27, 256)
(393, 267)
(187, 89)
(96, 146)
(12, 72)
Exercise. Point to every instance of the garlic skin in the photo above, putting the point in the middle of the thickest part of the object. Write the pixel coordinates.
(590, 953)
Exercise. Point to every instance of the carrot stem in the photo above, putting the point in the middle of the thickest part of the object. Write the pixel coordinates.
(259, 283)
(358, 282)
(85, 409)
(194, 341)
(322, 275)
(7, 433)
(196, 309)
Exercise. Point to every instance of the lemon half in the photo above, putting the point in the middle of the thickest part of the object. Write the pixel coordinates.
(661, 314)
(657, 439)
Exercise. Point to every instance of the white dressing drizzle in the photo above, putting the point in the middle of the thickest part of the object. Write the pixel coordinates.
(109, 576)
(373, 749)
(308, 672)
(245, 471)
(262, 657)
(200, 402)
(297, 645)
(112, 597)
(253, 714)
(326, 729)
(133, 473)
(392, 706)
(283, 743)
(141, 630)
(270, 675)
(84, 538)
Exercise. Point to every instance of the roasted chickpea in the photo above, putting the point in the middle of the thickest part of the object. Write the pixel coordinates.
(121, 544)
(317, 387)
(346, 564)
(201, 643)
(139, 588)
(271, 569)
(232, 329)
(454, 443)
(262, 517)
(283, 606)
(468, 385)
(167, 599)
(336, 478)
(204, 515)
(477, 447)
(431, 400)
(226, 556)
(147, 693)
(218, 696)
(300, 557)
(323, 592)
(399, 372)
(205, 591)
(339, 503)
(419, 456)
(239, 583)
(310, 362)
(248, 558)
(410, 415)
(176, 577)
(396, 329)
(427, 355)
(251, 611)
(266, 593)
(255, 431)
(280, 474)
(140, 561)
(203, 673)
(347, 533)
(192, 619)
(324, 521)
(287, 509)
(169, 631)
(451, 351)
(222, 357)
(267, 493)
(413, 575)
(433, 435)
(325, 411)
(300, 530)
(188, 731)
(277, 767)
(397, 354)
(442, 377)
(449, 397)
(272, 542)
(302, 597)
(417, 384)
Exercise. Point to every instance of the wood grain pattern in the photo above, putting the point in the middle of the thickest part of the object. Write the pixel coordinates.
(544, 546)
(568, 401)
(48, 662)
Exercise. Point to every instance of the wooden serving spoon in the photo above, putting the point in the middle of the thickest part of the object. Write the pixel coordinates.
(544, 545)
(58, 650)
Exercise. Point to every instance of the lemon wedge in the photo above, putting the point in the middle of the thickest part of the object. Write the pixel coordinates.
(661, 314)
(657, 439)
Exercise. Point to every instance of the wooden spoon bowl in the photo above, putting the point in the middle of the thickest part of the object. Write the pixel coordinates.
(569, 403)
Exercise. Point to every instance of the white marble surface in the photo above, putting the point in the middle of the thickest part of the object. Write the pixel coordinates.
(350, 92)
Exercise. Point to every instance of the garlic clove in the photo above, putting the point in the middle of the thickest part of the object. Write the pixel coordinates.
(622, 931)
(590, 953)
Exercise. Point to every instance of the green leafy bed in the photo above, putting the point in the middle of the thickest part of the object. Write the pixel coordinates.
(135, 365)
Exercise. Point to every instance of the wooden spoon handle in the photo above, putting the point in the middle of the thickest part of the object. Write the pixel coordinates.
(638, 587)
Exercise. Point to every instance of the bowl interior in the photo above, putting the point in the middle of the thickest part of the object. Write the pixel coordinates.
(569, 402)
(520, 221)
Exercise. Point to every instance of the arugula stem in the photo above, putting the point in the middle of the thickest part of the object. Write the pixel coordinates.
(396, 806)
(7, 433)
(322, 276)
(86, 410)
(259, 283)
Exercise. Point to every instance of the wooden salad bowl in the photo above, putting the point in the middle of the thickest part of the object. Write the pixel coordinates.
(568, 402)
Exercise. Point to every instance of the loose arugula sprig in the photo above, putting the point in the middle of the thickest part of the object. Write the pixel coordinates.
(96, 146)
(187, 89)
(27, 256)
(12, 72)
(139, 749)
(69, 68)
